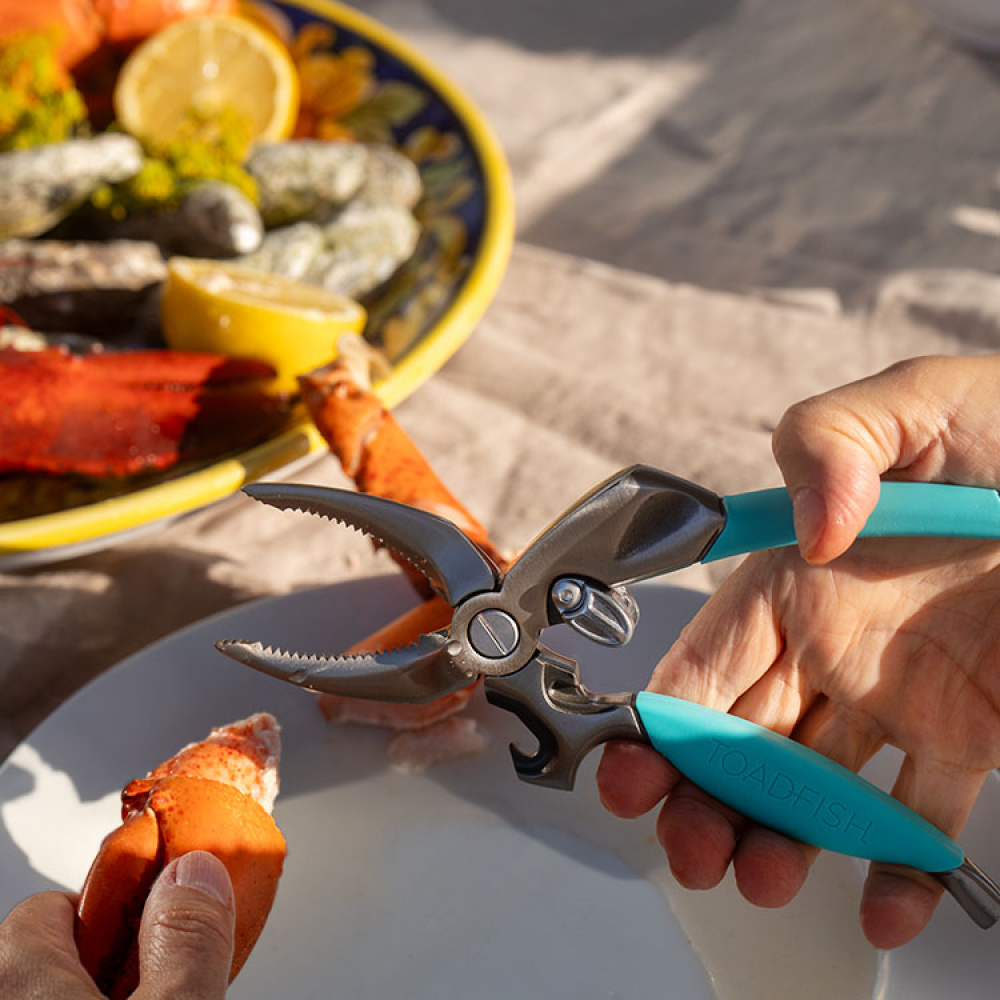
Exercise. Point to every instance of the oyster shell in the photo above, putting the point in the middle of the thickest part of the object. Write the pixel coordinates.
(44, 184)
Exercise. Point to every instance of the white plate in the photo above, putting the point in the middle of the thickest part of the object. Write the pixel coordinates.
(462, 881)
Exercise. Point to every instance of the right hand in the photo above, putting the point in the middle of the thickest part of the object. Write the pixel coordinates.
(893, 642)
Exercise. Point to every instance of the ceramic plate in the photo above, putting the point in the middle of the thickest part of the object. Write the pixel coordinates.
(461, 881)
(420, 317)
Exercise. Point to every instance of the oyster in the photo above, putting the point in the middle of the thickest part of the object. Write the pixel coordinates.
(215, 219)
(365, 244)
(84, 287)
(44, 184)
(288, 251)
(391, 176)
(352, 255)
(305, 178)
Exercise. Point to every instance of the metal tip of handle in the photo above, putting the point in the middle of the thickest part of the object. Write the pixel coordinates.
(975, 892)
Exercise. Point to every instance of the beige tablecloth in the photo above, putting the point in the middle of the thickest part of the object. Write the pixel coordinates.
(783, 195)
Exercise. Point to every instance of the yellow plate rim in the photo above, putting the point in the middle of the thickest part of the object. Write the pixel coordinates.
(187, 493)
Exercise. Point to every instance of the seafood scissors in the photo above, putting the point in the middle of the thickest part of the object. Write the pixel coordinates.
(640, 523)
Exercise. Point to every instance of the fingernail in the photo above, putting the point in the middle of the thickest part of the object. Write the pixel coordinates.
(202, 871)
(809, 513)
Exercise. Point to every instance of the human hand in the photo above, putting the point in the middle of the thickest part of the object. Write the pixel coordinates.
(893, 642)
(185, 940)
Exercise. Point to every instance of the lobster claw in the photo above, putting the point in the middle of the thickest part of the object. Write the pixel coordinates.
(213, 796)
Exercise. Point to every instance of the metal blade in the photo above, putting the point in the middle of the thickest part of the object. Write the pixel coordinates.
(414, 674)
(432, 544)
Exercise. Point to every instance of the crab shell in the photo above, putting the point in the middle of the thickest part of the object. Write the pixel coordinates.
(121, 413)
(167, 814)
(86, 28)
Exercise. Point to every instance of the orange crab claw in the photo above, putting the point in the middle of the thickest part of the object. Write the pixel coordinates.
(195, 801)
(376, 452)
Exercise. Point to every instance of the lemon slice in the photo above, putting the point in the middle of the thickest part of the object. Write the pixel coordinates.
(225, 309)
(206, 65)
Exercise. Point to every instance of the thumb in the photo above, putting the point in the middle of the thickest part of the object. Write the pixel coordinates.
(833, 480)
(832, 450)
(186, 935)
(929, 419)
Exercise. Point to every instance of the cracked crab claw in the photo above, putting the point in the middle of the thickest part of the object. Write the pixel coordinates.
(215, 795)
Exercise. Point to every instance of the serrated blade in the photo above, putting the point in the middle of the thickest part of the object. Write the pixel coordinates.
(432, 544)
(414, 674)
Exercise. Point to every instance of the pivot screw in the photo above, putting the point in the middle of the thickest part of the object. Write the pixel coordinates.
(493, 633)
(567, 595)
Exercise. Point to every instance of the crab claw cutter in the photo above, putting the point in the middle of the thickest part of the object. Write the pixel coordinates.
(638, 524)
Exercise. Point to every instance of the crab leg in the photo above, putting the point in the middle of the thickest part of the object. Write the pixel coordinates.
(215, 796)
(375, 451)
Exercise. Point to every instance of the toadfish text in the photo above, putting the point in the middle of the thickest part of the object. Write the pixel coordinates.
(776, 784)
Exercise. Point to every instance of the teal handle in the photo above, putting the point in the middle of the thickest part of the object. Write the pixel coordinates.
(790, 788)
(763, 519)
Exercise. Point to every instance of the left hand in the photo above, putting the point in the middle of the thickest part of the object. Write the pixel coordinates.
(38, 956)
(185, 940)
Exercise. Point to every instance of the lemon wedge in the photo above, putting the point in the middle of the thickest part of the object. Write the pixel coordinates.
(206, 65)
(221, 308)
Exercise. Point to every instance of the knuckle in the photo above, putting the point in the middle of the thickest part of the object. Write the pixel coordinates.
(800, 418)
(907, 368)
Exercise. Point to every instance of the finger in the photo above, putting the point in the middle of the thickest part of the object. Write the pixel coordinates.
(186, 935)
(926, 419)
(898, 902)
(770, 868)
(724, 649)
(632, 778)
(780, 699)
(699, 835)
(38, 956)
(731, 642)
(47, 916)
